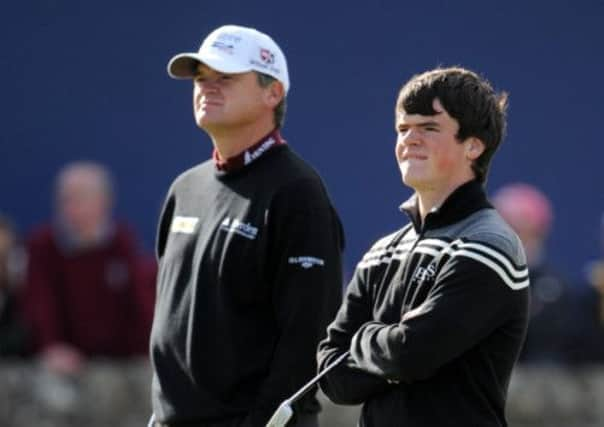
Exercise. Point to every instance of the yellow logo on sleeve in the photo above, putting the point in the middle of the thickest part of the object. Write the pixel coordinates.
(184, 224)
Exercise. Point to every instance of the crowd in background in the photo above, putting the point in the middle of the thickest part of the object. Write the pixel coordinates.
(80, 286)
(566, 318)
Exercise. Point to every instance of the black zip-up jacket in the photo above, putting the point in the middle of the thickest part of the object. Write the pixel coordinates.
(249, 278)
(434, 317)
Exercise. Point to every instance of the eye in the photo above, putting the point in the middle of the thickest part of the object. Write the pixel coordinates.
(431, 127)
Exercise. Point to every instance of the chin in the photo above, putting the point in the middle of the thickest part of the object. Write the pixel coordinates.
(412, 181)
(204, 122)
(406, 176)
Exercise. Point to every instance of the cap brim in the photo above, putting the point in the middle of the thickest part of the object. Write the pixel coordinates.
(183, 66)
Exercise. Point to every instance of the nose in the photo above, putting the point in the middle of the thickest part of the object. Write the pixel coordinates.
(206, 86)
(405, 139)
(411, 136)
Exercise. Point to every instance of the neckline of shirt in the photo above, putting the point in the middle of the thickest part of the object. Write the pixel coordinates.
(250, 154)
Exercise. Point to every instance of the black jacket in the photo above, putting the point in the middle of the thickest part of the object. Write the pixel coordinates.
(434, 317)
(249, 278)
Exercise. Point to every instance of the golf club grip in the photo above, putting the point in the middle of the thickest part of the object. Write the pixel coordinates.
(320, 375)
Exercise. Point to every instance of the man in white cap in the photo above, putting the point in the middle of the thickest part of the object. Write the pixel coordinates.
(249, 248)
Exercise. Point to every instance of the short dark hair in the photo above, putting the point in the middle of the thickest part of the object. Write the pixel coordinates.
(265, 80)
(469, 99)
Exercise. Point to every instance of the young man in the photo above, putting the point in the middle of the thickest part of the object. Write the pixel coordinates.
(249, 248)
(436, 312)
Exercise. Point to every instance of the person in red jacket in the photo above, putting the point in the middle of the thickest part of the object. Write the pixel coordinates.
(85, 294)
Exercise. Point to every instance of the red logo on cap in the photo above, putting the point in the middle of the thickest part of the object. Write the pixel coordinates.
(267, 56)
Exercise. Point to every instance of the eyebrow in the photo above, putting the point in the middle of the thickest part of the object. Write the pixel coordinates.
(201, 68)
(421, 123)
(202, 72)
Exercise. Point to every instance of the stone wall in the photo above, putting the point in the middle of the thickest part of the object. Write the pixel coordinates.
(107, 394)
(117, 395)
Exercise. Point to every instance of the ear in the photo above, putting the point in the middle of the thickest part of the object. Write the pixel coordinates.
(274, 93)
(474, 148)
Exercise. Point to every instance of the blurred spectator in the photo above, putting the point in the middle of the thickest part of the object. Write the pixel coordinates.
(588, 339)
(87, 293)
(529, 212)
(13, 336)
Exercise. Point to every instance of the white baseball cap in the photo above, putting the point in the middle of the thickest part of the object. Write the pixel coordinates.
(234, 49)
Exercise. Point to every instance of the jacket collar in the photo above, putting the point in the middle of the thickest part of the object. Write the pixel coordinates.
(248, 155)
(462, 202)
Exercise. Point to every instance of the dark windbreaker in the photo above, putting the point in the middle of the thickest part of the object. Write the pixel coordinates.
(434, 317)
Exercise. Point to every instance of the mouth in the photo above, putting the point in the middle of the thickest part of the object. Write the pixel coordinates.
(414, 156)
(209, 102)
(205, 102)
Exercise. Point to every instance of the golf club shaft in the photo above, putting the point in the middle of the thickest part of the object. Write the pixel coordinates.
(316, 379)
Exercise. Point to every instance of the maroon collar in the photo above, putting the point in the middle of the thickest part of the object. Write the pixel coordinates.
(250, 154)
